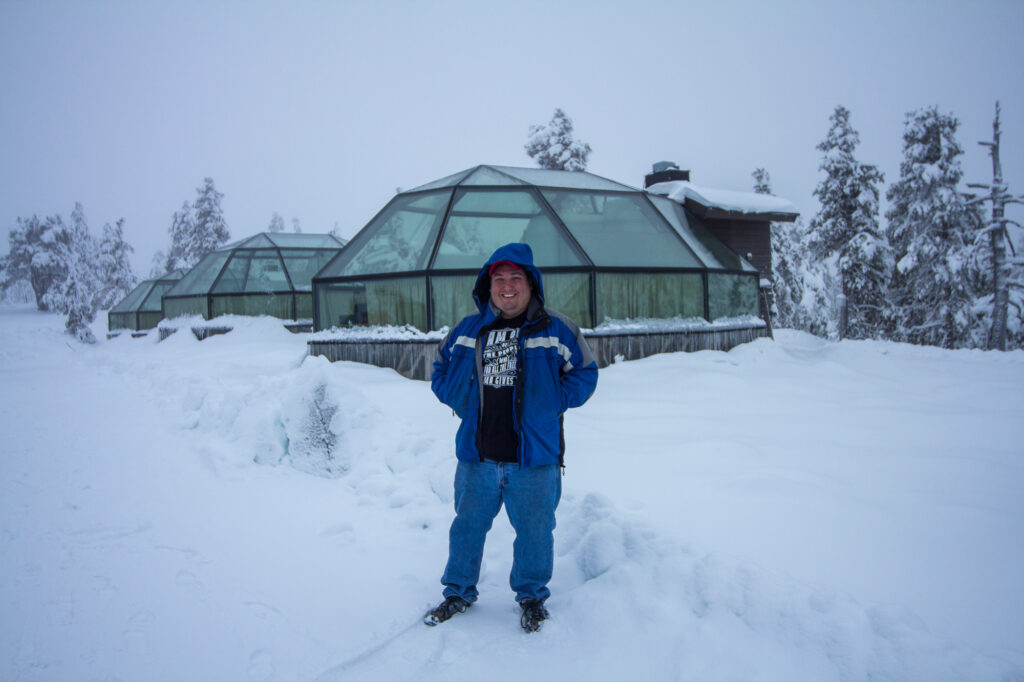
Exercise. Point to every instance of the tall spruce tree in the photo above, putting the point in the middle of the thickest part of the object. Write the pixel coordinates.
(115, 269)
(182, 227)
(198, 229)
(931, 230)
(553, 146)
(797, 281)
(276, 223)
(210, 229)
(76, 294)
(845, 234)
(1003, 287)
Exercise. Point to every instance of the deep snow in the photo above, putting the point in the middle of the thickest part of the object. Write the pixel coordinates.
(790, 510)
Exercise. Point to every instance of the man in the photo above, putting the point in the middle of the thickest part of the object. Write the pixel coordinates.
(509, 372)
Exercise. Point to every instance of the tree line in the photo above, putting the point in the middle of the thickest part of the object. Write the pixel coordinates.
(942, 270)
(72, 272)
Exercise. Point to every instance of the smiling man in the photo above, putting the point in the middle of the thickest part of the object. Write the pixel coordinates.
(509, 372)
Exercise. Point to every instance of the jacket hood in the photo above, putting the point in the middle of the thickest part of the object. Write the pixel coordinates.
(521, 255)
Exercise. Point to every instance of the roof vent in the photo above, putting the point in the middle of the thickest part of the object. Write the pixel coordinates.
(665, 171)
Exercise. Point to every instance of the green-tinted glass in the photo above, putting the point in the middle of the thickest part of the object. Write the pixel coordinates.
(274, 305)
(676, 217)
(731, 295)
(303, 305)
(152, 300)
(134, 298)
(266, 273)
(292, 240)
(398, 240)
(569, 294)
(482, 220)
(486, 175)
(121, 320)
(622, 296)
(377, 302)
(302, 265)
(566, 179)
(188, 305)
(232, 278)
(200, 278)
(148, 319)
(452, 298)
(620, 230)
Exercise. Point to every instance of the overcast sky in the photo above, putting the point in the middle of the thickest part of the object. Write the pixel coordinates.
(320, 110)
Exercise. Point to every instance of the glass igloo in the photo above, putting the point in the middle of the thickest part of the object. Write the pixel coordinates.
(606, 251)
(140, 309)
(267, 274)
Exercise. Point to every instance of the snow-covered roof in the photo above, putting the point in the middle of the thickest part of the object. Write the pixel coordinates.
(741, 204)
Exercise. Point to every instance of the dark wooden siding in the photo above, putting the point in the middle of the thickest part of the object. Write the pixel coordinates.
(750, 239)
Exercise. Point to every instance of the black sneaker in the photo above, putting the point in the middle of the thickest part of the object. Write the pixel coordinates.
(534, 614)
(445, 610)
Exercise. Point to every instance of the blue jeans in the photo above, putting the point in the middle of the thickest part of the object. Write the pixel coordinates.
(530, 496)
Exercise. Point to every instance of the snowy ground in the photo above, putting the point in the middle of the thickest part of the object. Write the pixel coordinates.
(790, 510)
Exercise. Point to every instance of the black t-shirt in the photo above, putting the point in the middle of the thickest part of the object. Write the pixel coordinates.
(498, 440)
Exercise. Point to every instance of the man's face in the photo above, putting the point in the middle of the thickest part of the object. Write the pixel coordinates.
(510, 290)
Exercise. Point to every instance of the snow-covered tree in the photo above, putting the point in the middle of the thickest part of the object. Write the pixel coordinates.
(798, 282)
(762, 181)
(931, 229)
(35, 255)
(115, 269)
(181, 230)
(210, 229)
(1003, 288)
(198, 229)
(158, 264)
(276, 223)
(76, 294)
(296, 226)
(553, 147)
(845, 235)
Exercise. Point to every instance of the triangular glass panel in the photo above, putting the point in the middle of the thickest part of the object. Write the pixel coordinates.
(482, 220)
(449, 181)
(399, 239)
(488, 175)
(620, 230)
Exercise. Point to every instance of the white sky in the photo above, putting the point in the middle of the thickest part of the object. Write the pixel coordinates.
(320, 110)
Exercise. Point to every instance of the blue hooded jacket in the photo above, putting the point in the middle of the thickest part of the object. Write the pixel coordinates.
(557, 369)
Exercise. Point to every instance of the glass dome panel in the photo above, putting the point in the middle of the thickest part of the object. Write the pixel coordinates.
(199, 279)
(134, 298)
(620, 230)
(152, 301)
(731, 295)
(257, 241)
(292, 240)
(485, 175)
(232, 279)
(629, 295)
(482, 220)
(266, 273)
(399, 239)
(676, 217)
(303, 264)
(565, 179)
